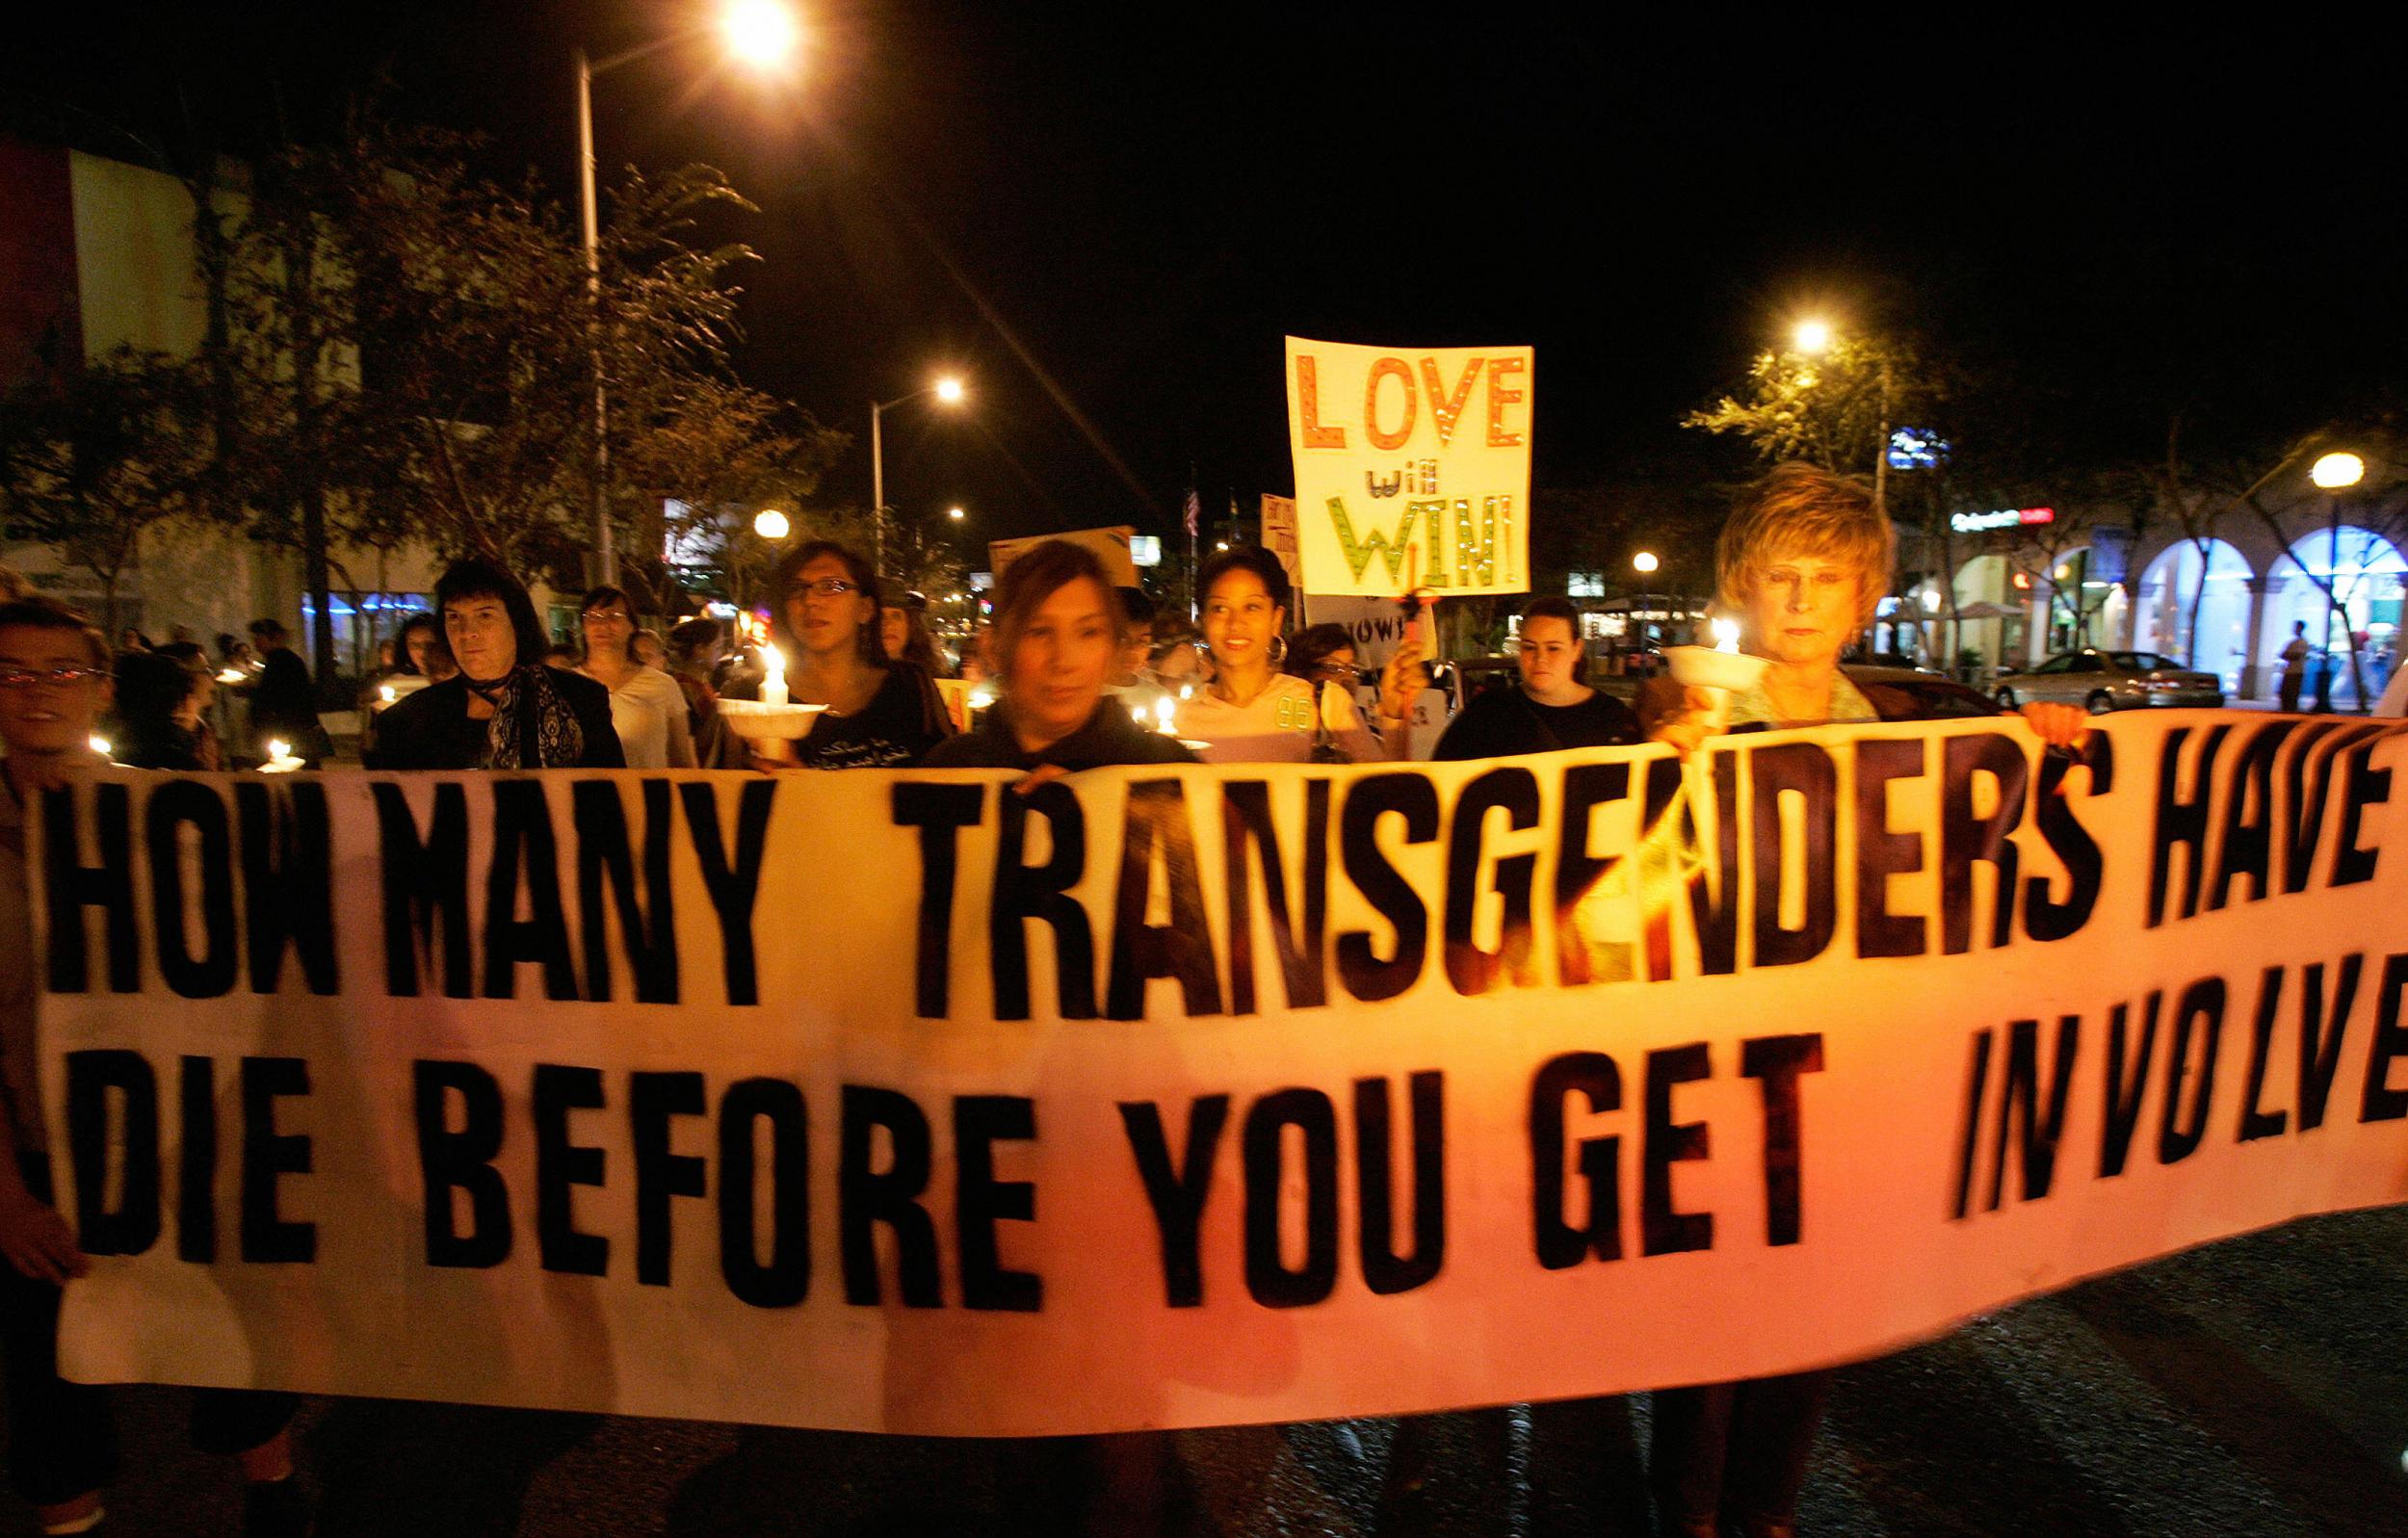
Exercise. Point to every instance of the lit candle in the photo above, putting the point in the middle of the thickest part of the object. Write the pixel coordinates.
(280, 759)
(774, 686)
(98, 745)
(1727, 635)
(1163, 716)
(385, 692)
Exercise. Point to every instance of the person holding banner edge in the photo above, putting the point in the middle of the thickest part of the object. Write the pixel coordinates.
(54, 684)
(1251, 713)
(1802, 561)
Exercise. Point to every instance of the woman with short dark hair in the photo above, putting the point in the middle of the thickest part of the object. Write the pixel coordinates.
(1058, 632)
(1552, 708)
(648, 709)
(878, 713)
(505, 709)
(153, 726)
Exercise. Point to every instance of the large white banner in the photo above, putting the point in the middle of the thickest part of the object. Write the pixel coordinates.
(1412, 467)
(1164, 1097)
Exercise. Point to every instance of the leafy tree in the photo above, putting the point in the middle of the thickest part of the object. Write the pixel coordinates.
(90, 459)
(413, 346)
(1835, 408)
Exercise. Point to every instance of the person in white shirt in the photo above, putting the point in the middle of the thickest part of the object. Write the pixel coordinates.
(647, 708)
(1252, 713)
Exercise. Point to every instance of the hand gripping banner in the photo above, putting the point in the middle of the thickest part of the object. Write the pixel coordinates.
(899, 1101)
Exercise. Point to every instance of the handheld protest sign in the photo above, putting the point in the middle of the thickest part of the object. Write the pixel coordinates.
(1411, 451)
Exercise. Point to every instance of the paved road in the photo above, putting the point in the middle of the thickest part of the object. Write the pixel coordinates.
(2257, 1386)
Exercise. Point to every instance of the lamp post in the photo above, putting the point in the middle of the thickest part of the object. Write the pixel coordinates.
(1644, 563)
(2334, 474)
(762, 33)
(948, 390)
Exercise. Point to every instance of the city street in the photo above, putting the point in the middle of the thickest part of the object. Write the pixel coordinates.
(2253, 1387)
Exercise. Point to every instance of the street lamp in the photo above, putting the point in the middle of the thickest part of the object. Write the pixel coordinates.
(956, 515)
(2336, 473)
(770, 524)
(947, 388)
(1813, 338)
(1644, 563)
(761, 32)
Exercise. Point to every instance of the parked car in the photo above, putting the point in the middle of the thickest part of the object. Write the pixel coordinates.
(2104, 681)
(1913, 693)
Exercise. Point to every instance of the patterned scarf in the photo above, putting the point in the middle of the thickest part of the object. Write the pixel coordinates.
(533, 725)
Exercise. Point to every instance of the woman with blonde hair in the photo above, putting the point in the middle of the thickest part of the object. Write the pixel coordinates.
(1803, 563)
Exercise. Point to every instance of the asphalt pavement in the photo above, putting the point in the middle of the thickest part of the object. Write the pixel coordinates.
(2255, 1387)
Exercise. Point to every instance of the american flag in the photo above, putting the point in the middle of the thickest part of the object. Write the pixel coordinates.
(1196, 511)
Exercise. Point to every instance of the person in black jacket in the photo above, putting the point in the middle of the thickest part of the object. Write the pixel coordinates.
(1058, 638)
(283, 702)
(1553, 707)
(505, 709)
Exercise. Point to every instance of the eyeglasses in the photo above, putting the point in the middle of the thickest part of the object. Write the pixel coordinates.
(1337, 672)
(55, 677)
(824, 587)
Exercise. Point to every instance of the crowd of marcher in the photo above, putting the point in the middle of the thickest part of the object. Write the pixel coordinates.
(1081, 675)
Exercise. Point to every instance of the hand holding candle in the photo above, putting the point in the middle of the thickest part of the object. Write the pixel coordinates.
(1717, 671)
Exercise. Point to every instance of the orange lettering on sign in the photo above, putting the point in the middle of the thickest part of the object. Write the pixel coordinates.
(1446, 408)
(1498, 398)
(1383, 369)
(1308, 405)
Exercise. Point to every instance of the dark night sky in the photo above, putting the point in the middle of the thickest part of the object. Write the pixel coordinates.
(1148, 197)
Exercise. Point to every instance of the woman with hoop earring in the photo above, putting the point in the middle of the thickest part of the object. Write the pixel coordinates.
(1252, 713)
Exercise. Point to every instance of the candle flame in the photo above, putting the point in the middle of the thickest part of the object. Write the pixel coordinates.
(1163, 714)
(98, 745)
(1726, 635)
(386, 690)
(775, 659)
(277, 750)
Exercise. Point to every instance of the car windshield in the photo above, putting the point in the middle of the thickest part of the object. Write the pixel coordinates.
(2141, 662)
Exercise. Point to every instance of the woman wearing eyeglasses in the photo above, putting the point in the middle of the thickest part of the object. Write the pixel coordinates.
(880, 714)
(647, 708)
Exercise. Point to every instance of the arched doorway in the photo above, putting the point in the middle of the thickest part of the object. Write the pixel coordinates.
(2171, 592)
(2366, 577)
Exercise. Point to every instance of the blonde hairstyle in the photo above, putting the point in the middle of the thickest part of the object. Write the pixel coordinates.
(1800, 509)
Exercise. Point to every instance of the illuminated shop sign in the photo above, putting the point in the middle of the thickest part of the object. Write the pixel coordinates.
(1973, 522)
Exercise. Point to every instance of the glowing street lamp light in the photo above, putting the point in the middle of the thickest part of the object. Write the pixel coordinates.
(956, 515)
(2338, 472)
(1813, 338)
(1644, 563)
(946, 387)
(762, 33)
(770, 524)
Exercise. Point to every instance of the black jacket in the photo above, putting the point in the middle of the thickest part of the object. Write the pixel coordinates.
(1108, 737)
(433, 730)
